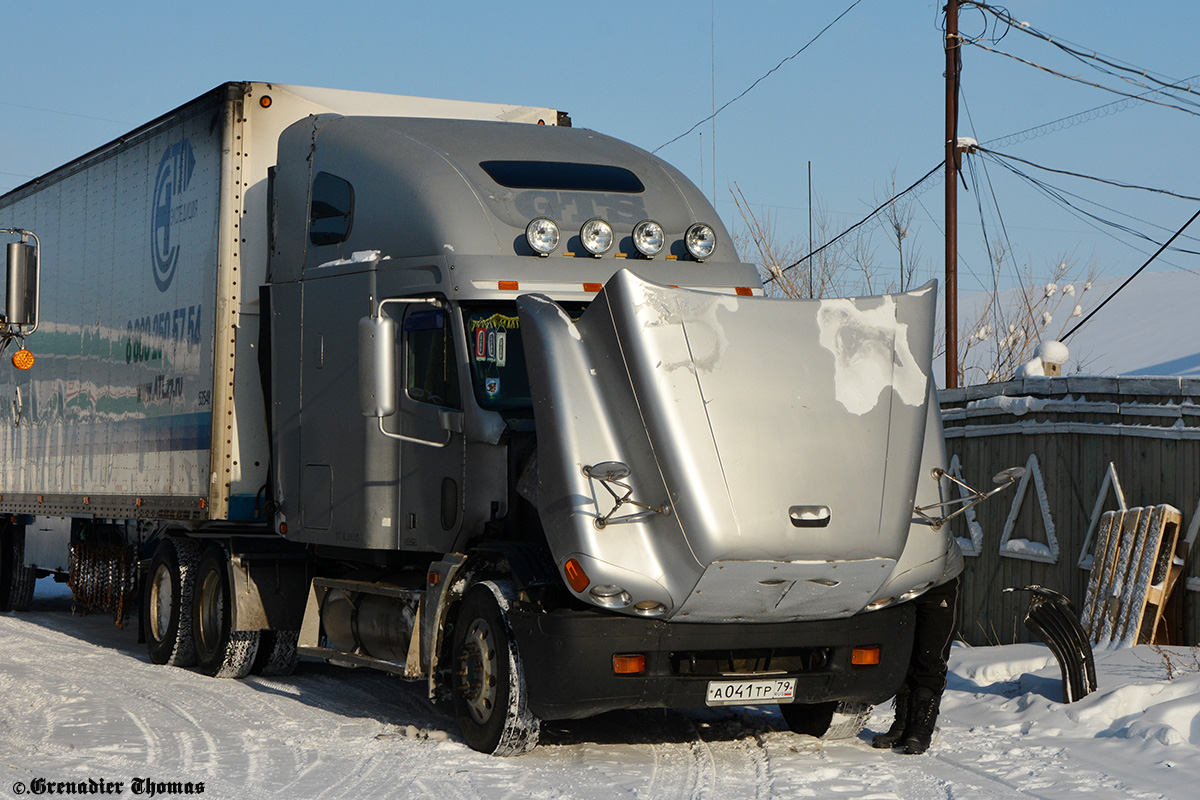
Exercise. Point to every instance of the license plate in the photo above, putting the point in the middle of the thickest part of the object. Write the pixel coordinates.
(745, 693)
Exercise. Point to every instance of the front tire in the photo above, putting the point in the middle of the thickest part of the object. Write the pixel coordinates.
(167, 602)
(833, 720)
(220, 651)
(488, 681)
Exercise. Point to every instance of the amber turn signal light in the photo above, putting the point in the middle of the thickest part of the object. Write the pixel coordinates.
(629, 664)
(22, 359)
(576, 577)
(865, 656)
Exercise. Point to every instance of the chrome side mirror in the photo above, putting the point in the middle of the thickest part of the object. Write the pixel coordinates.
(23, 298)
(1007, 476)
(377, 366)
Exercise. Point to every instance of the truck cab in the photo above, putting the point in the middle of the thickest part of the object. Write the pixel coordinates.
(534, 376)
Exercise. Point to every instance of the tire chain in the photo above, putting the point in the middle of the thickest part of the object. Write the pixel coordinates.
(103, 577)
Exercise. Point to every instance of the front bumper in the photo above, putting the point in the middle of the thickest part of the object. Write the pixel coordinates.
(568, 658)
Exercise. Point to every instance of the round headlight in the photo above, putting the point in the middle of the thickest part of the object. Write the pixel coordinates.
(610, 596)
(542, 235)
(648, 238)
(596, 236)
(700, 240)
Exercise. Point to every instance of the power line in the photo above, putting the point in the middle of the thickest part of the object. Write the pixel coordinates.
(760, 80)
(1106, 181)
(1115, 107)
(1165, 245)
(64, 113)
(1056, 195)
(858, 224)
(1093, 84)
(1080, 55)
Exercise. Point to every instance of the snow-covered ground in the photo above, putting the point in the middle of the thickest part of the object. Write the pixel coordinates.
(79, 700)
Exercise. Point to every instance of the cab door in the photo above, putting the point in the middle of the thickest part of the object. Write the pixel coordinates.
(432, 471)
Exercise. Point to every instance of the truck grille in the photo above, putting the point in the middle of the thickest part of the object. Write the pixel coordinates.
(714, 663)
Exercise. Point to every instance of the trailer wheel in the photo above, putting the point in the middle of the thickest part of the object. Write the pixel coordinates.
(16, 579)
(277, 654)
(220, 651)
(487, 681)
(167, 602)
(834, 720)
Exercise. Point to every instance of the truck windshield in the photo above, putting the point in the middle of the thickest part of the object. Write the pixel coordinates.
(497, 356)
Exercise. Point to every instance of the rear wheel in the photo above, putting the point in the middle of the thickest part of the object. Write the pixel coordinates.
(167, 602)
(220, 651)
(16, 579)
(842, 719)
(488, 681)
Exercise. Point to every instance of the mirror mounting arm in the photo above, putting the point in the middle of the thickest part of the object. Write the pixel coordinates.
(1005, 479)
(609, 474)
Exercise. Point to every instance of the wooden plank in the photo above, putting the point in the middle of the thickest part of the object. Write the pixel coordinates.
(1107, 535)
(1142, 558)
(1111, 598)
(1165, 575)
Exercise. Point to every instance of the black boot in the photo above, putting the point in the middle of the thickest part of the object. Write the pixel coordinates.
(922, 719)
(899, 725)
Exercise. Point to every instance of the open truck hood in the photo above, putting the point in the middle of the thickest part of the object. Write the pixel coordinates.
(781, 440)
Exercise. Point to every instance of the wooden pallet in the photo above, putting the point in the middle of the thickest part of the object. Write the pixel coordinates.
(1139, 558)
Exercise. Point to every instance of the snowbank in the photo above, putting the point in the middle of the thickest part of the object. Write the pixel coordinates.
(79, 701)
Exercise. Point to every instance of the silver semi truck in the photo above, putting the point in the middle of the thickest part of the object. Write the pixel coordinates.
(458, 392)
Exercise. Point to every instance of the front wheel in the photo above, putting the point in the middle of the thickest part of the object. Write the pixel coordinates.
(833, 720)
(220, 651)
(488, 680)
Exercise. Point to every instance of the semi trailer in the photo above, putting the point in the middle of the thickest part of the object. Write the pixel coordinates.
(465, 394)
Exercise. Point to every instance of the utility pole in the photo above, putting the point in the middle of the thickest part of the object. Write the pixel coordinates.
(953, 53)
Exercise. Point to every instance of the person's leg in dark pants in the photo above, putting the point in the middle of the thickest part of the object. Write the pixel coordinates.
(919, 699)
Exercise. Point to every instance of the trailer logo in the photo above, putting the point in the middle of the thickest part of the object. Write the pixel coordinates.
(174, 174)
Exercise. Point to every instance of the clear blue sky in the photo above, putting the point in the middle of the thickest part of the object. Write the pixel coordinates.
(865, 101)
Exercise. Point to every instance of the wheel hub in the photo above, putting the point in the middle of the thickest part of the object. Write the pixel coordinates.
(161, 602)
(477, 670)
(212, 610)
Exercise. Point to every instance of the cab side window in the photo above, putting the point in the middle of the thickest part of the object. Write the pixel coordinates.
(430, 369)
(331, 210)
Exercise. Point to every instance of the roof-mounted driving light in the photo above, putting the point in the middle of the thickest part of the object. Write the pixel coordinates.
(648, 238)
(700, 241)
(596, 236)
(542, 235)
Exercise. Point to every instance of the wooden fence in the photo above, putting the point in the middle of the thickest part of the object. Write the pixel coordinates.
(1090, 445)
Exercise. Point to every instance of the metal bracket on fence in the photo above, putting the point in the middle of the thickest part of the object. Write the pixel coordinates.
(1052, 616)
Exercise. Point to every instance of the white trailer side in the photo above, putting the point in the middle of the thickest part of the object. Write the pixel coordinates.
(145, 401)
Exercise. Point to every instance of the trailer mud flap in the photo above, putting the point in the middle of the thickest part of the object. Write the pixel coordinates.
(1052, 616)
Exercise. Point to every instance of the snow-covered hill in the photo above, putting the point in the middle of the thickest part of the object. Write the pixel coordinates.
(79, 700)
(1150, 327)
